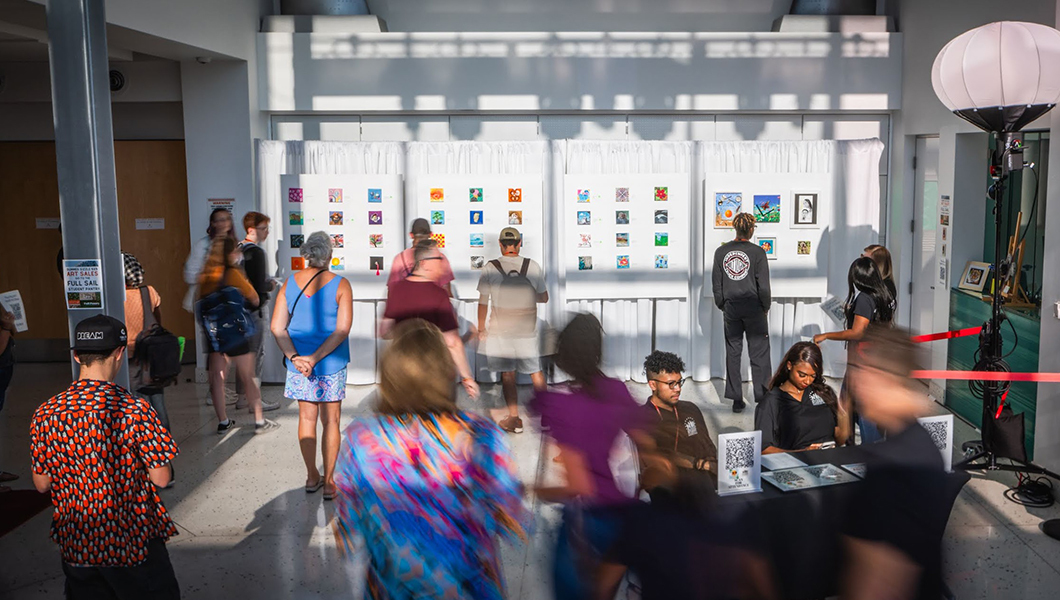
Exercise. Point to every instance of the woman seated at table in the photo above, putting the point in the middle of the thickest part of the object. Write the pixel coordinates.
(800, 411)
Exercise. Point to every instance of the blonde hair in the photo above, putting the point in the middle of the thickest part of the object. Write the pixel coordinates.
(882, 257)
(416, 372)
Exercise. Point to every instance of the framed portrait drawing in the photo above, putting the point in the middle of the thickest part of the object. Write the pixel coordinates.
(975, 275)
(806, 210)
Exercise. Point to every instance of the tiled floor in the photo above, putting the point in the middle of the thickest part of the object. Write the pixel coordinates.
(248, 530)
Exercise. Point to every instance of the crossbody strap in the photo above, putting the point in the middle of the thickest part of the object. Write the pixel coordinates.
(290, 315)
(149, 315)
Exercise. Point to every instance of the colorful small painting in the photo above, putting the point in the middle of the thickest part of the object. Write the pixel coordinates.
(585, 263)
(294, 194)
(622, 261)
(439, 238)
(437, 195)
(583, 195)
(662, 194)
(296, 240)
(338, 263)
(437, 217)
(621, 217)
(375, 240)
(375, 263)
(515, 194)
(585, 217)
(335, 217)
(621, 194)
(477, 240)
(338, 240)
(661, 217)
(622, 239)
(297, 263)
(375, 195)
(375, 217)
(804, 247)
(767, 208)
(726, 206)
(477, 262)
(335, 195)
(476, 217)
(662, 261)
(474, 194)
(295, 217)
(515, 217)
(769, 244)
(662, 238)
(585, 240)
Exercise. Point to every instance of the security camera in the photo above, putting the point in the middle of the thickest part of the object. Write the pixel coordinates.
(203, 60)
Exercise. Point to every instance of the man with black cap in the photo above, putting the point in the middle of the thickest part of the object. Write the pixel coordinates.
(103, 453)
(405, 262)
(514, 286)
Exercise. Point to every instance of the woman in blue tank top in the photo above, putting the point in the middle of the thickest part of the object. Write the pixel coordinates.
(313, 334)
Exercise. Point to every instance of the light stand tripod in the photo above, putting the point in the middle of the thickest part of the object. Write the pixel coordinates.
(1007, 157)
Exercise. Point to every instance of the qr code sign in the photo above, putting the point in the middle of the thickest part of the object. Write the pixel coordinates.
(938, 431)
(740, 453)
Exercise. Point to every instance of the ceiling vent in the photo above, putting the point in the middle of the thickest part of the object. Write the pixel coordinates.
(117, 81)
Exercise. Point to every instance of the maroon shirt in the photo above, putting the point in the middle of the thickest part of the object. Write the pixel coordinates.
(420, 300)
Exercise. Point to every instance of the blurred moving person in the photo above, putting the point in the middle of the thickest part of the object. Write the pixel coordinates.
(256, 268)
(312, 329)
(510, 288)
(740, 281)
(801, 411)
(429, 487)
(419, 296)
(102, 453)
(405, 261)
(898, 514)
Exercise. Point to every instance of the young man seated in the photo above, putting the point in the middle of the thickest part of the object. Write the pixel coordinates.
(680, 433)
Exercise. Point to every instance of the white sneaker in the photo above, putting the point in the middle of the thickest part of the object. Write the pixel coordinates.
(265, 427)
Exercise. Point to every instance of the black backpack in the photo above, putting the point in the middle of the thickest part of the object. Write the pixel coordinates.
(157, 350)
(515, 304)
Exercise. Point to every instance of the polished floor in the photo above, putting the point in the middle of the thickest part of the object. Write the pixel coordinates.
(248, 530)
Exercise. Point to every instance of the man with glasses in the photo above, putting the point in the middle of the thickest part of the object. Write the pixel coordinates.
(680, 432)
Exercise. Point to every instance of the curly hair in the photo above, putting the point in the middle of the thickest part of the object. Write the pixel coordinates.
(744, 224)
(663, 362)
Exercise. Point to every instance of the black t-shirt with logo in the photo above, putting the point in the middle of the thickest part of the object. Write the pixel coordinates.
(793, 425)
(740, 278)
(684, 433)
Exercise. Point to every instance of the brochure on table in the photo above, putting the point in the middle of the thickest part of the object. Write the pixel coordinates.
(781, 460)
(626, 236)
(739, 463)
(363, 214)
(793, 215)
(467, 214)
(804, 478)
(941, 430)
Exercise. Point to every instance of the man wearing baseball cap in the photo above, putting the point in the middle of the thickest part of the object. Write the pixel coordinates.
(510, 289)
(102, 453)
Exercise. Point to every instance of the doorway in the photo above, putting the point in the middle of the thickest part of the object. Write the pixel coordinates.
(925, 215)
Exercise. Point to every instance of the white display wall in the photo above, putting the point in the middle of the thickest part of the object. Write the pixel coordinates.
(364, 215)
(793, 220)
(625, 236)
(467, 214)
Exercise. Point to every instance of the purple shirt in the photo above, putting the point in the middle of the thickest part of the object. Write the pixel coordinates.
(591, 425)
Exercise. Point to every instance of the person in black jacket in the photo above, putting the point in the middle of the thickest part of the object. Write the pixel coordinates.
(256, 267)
(740, 280)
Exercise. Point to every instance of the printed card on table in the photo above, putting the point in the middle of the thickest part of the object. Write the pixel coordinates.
(940, 429)
(739, 462)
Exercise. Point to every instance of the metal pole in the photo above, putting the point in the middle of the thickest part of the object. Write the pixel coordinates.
(84, 149)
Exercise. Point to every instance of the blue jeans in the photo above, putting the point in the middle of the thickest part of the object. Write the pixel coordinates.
(870, 434)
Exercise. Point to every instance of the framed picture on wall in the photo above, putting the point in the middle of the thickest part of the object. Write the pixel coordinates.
(975, 276)
(769, 244)
(805, 213)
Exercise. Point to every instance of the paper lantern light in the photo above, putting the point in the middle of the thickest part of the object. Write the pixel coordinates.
(1000, 76)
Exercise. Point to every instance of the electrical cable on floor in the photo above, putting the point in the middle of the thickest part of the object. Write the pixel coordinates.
(1032, 492)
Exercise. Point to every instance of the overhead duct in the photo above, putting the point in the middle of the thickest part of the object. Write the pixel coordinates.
(324, 7)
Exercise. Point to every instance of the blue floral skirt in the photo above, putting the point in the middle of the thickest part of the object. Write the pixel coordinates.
(316, 388)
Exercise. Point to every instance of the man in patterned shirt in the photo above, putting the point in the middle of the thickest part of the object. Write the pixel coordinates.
(102, 452)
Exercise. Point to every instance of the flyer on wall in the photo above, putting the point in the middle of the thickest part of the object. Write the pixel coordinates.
(12, 303)
(83, 281)
(739, 463)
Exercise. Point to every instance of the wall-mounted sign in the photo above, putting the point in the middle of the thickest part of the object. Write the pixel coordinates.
(83, 280)
(145, 224)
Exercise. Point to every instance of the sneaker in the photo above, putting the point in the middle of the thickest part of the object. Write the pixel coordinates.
(511, 424)
(222, 428)
(230, 396)
(737, 407)
(242, 403)
(265, 427)
(267, 406)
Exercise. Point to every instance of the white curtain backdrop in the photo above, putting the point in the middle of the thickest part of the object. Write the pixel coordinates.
(309, 158)
(627, 323)
(486, 158)
(855, 168)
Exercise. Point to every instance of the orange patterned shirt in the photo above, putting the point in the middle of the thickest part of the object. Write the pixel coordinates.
(96, 441)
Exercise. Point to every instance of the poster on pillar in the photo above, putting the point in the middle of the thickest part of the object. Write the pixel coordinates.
(792, 224)
(363, 214)
(467, 214)
(626, 236)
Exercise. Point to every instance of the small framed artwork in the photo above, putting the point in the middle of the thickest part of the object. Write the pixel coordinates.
(476, 217)
(294, 194)
(297, 239)
(375, 217)
(583, 196)
(375, 263)
(338, 263)
(585, 263)
(662, 194)
(662, 238)
(662, 217)
(477, 262)
(437, 217)
(726, 206)
(769, 245)
(338, 240)
(515, 194)
(296, 218)
(622, 261)
(621, 194)
(585, 240)
(803, 247)
(515, 217)
(766, 208)
(477, 240)
(335, 195)
(806, 212)
(475, 194)
(437, 195)
(975, 276)
(335, 217)
(622, 239)
(439, 239)
(375, 195)
(375, 240)
(297, 263)
(585, 217)
(621, 217)
(662, 261)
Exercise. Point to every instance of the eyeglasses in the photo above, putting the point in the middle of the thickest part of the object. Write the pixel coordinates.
(673, 385)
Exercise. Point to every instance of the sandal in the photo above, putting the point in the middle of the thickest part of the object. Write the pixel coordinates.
(5, 476)
(330, 495)
(310, 488)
